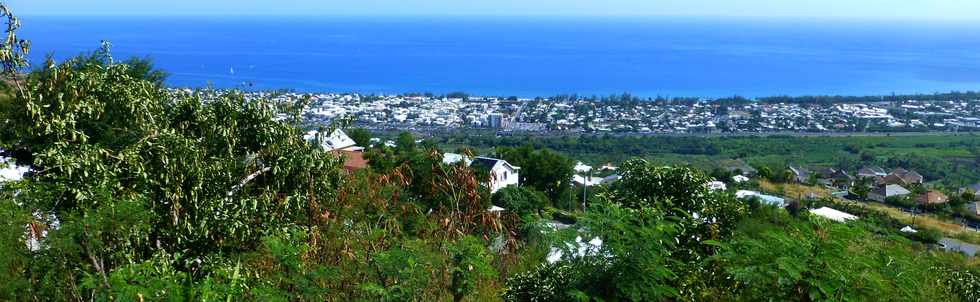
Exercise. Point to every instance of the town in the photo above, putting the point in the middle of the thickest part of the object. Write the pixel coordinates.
(631, 115)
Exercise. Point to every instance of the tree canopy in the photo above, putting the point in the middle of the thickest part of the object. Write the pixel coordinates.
(138, 192)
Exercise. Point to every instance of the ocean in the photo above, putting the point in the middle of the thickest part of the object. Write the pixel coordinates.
(534, 56)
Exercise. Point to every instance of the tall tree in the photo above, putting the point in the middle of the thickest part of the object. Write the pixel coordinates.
(543, 170)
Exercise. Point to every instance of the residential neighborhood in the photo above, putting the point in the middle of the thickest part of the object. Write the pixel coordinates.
(629, 115)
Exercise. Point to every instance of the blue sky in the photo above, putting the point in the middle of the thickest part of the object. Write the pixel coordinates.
(862, 9)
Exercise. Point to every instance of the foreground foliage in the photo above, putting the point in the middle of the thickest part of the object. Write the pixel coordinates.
(137, 193)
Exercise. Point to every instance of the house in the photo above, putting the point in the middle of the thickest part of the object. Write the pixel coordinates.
(973, 207)
(902, 177)
(586, 181)
(824, 172)
(739, 167)
(717, 186)
(883, 192)
(974, 188)
(842, 180)
(871, 172)
(800, 174)
(501, 173)
(337, 140)
(353, 160)
(932, 198)
(739, 179)
(594, 181)
(342, 145)
(834, 178)
(913, 177)
(582, 168)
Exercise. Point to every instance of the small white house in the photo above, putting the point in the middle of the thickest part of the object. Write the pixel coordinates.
(502, 174)
(336, 141)
(717, 186)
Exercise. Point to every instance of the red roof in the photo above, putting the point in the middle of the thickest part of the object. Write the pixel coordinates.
(353, 160)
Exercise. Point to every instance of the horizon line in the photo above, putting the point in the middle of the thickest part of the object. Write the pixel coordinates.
(522, 15)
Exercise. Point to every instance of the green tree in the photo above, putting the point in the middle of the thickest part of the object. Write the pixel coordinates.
(361, 136)
(405, 143)
(861, 188)
(520, 200)
(630, 265)
(543, 170)
(132, 171)
(765, 173)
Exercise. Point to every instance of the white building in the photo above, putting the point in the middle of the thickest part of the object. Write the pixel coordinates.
(336, 141)
(502, 174)
(717, 186)
(582, 168)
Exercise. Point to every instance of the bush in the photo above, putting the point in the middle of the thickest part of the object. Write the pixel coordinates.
(901, 201)
(519, 200)
(927, 235)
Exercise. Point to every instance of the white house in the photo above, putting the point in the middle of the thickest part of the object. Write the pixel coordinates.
(339, 143)
(336, 141)
(502, 174)
(881, 193)
(717, 186)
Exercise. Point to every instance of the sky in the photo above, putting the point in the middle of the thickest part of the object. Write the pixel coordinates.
(951, 10)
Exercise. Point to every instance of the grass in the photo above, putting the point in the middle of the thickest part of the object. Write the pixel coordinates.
(952, 230)
(794, 191)
(946, 158)
(949, 229)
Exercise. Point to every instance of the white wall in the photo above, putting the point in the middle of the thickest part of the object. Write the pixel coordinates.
(503, 177)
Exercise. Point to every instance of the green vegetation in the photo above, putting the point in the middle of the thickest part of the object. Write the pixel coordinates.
(139, 194)
(948, 159)
(542, 169)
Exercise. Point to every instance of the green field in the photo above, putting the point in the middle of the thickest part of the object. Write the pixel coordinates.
(951, 160)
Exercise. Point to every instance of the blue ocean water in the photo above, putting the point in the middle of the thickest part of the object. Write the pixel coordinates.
(534, 56)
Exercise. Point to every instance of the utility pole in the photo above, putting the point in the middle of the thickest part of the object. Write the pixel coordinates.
(914, 213)
(585, 188)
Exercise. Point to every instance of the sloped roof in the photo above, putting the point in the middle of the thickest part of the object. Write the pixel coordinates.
(354, 160)
(873, 170)
(932, 197)
(337, 140)
(912, 176)
(892, 190)
(484, 163)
